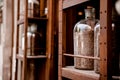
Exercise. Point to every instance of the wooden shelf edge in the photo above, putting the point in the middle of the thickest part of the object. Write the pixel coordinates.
(31, 57)
(36, 57)
(37, 18)
(21, 21)
(70, 3)
(80, 56)
(75, 74)
(116, 77)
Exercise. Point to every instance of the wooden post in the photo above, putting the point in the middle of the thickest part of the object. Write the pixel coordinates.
(7, 38)
(49, 40)
(105, 39)
(24, 66)
(60, 41)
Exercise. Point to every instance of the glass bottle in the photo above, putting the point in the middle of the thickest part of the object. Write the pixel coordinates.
(96, 45)
(84, 40)
(33, 8)
(96, 48)
(97, 39)
(33, 41)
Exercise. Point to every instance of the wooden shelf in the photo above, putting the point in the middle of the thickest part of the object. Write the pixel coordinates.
(31, 19)
(80, 56)
(70, 3)
(31, 57)
(36, 18)
(44, 24)
(76, 74)
(116, 77)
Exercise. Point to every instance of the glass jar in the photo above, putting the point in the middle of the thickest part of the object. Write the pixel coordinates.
(33, 8)
(84, 40)
(96, 48)
(96, 45)
(33, 41)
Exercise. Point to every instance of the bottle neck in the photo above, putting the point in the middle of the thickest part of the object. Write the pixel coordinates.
(90, 13)
(33, 28)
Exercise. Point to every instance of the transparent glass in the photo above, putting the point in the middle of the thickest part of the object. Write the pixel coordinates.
(36, 8)
(96, 47)
(84, 40)
(33, 41)
(33, 8)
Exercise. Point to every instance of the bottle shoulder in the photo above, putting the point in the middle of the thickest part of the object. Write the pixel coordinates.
(86, 25)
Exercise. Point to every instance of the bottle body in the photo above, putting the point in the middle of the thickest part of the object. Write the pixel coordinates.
(84, 40)
(33, 41)
(84, 43)
(96, 45)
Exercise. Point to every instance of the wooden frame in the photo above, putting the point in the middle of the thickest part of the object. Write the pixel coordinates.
(50, 28)
(7, 42)
(105, 48)
(105, 40)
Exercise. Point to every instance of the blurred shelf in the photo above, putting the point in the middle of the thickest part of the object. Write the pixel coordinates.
(36, 18)
(75, 74)
(116, 77)
(31, 57)
(32, 19)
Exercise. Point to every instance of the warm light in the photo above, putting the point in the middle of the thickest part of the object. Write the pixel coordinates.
(80, 13)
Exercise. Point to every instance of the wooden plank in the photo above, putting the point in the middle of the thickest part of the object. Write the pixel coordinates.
(25, 42)
(70, 3)
(60, 40)
(15, 41)
(31, 57)
(49, 40)
(37, 57)
(7, 38)
(105, 39)
(42, 7)
(76, 74)
(80, 56)
(63, 14)
(52, 24)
